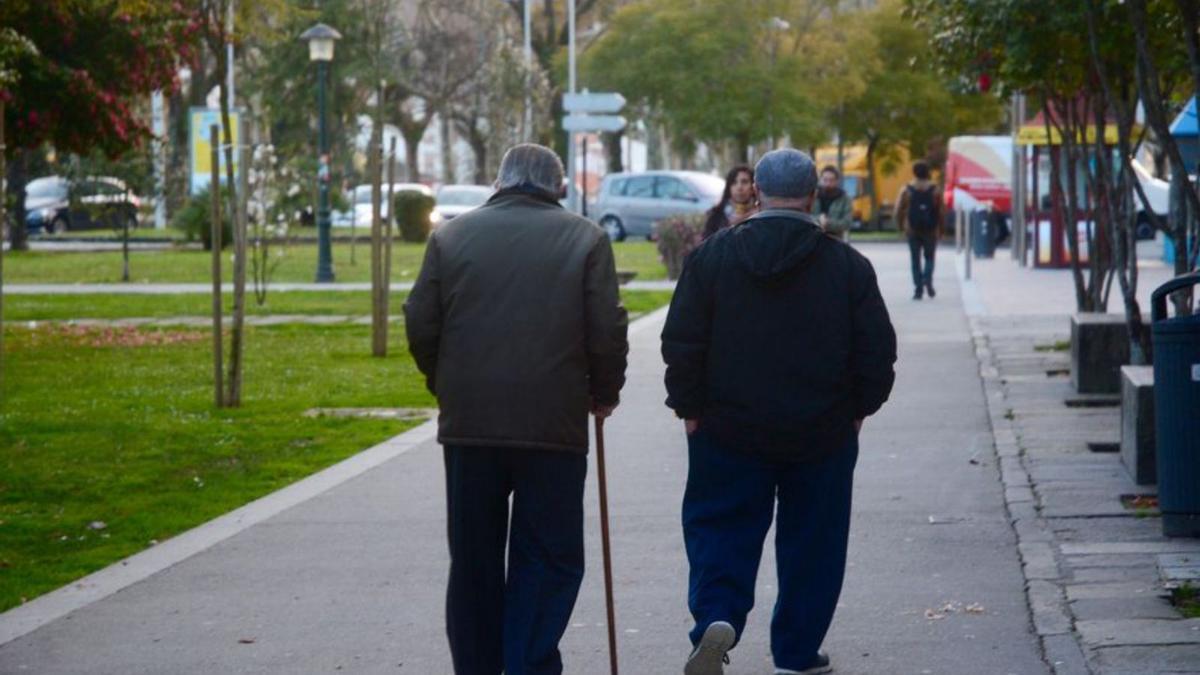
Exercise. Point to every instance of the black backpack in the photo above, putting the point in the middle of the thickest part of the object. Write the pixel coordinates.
(922, 214)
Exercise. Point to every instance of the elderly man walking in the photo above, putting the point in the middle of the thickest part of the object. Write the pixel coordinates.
(516, 323)
(777, 345)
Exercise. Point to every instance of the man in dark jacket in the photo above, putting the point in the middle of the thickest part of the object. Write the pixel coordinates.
(516, 322)
(777, 345)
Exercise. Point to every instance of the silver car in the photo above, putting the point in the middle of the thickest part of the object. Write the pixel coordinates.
(628, 204)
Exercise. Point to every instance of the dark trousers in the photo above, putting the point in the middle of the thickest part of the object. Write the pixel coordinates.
(512, 623)
(728, 506)
(922, 246)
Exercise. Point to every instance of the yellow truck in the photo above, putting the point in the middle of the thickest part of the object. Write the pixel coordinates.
(890, 177)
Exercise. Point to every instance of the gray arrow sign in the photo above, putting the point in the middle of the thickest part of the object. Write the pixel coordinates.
(593, 102)
(588, 123)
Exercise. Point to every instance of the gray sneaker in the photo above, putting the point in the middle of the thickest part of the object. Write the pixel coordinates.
(818, 667)
(710, 656)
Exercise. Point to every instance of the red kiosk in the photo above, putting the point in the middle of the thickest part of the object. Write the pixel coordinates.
(1046, 212)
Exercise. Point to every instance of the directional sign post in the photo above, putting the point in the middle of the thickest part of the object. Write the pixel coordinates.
(577, 123)
(597, 102)
(581, 117)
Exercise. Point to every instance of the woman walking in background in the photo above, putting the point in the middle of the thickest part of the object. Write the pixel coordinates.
(737, 202)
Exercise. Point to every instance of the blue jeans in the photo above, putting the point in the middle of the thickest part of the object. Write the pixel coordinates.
(728, 506)
(918, 247)
(512, 624)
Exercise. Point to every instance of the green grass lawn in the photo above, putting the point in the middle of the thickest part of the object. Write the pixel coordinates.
(95, 428)
(297, 264)
(100, 426)
(116, 306)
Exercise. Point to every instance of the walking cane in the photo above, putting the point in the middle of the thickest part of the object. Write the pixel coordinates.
(608, 584)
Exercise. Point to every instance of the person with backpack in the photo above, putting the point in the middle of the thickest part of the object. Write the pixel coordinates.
(919, 217)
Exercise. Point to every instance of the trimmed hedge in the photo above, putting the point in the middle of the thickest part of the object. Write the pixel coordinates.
(413, 210)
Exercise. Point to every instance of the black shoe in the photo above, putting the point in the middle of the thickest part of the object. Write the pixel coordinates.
(929, 289)
(917, 294)
(818, 667)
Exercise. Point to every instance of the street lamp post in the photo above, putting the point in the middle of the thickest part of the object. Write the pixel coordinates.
(321, 39)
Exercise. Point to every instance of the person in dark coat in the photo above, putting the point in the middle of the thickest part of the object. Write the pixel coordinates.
(778, 345)
(517, 325)
(919, 217)
(737, 201)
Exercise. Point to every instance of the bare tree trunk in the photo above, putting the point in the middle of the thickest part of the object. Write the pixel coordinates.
(18, 236)
(237, 334)
(1067, 193)
(612, 148)
(215, 239)
(124, 247)
(872, 143)
(378, 347)
(413, 131)
(448, 169)
(3, 237)
(1156, 117)
(385, 304)
(1117, 184)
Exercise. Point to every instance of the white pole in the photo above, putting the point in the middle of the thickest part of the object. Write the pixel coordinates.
(159, 123)
(528, 130)
(229, 53)
(573, 193)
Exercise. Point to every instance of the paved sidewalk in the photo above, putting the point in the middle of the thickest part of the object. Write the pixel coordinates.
(1093, 566)
(352, 579)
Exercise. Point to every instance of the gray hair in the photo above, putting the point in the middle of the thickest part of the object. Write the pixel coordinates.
(786, 174)
(530, 165)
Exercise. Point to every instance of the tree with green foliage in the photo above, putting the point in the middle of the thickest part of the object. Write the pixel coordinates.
(905, 102)
(713, 71)
(1086, 65)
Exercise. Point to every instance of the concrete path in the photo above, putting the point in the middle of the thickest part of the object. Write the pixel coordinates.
(353, 578)
(1097, 570)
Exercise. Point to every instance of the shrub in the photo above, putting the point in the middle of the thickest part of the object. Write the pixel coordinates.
(677, 236)
(413, 210)
(194, 219)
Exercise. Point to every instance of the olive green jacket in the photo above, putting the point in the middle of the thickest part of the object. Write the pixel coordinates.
(517, 325)
(840, 216)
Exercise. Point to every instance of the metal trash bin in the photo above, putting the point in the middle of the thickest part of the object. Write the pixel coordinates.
(1177, 411)
(983, 234)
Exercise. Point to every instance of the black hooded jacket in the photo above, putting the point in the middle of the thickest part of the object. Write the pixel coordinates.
(778, 338)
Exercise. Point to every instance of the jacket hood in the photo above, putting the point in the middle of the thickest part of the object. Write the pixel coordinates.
(771, 244)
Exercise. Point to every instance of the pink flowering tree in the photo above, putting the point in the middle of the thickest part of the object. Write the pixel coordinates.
(84, 88)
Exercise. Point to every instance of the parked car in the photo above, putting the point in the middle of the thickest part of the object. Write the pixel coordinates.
(54, 204)
(1158, 193)
(628, 204)
(455, 200)
(362, 201)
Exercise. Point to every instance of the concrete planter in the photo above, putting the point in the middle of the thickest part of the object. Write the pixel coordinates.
(1137, 423)
(1099, 347)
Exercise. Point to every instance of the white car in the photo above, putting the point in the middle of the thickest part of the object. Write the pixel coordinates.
(362, 200)
(455, 200)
